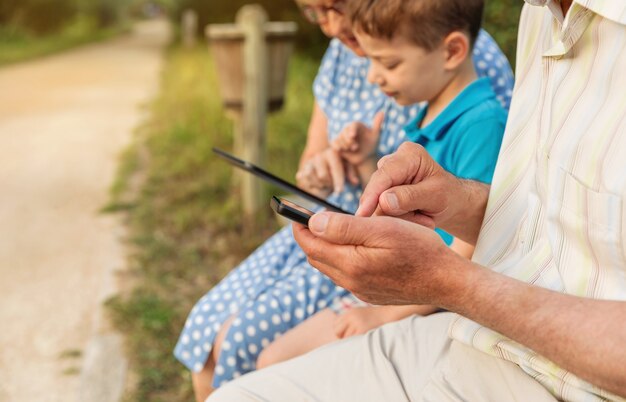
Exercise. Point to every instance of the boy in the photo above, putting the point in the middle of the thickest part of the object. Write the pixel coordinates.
(420, 51)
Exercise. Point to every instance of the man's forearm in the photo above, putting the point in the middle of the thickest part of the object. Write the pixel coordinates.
(584, 336)
(470, 208)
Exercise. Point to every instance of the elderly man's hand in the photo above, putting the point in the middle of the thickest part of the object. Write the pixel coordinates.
(410, 185)
(382, 260)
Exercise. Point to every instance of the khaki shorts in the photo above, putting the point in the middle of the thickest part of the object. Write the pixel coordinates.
(409, 360)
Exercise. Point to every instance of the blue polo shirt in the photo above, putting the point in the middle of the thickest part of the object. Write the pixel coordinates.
(465, 137)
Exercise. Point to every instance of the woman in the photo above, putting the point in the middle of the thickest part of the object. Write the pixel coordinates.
(275, 289)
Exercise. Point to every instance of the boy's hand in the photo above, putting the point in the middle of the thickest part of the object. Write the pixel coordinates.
(358, 320)
(357, 142)
(324, 173)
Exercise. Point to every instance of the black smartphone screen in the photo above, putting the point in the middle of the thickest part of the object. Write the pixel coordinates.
(265, 175)
(291, 210)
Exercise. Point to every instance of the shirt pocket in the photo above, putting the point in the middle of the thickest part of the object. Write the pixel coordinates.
(589, 240)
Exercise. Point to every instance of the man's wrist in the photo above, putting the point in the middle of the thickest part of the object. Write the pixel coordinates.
(468, 202)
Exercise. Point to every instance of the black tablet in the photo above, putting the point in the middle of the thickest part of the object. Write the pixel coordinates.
(257, 171)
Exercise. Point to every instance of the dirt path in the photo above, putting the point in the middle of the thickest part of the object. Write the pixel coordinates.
(63, 122)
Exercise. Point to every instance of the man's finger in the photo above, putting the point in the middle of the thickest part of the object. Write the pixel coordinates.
(398, 169)
(347, 230)
(422, 197)
(319, 250)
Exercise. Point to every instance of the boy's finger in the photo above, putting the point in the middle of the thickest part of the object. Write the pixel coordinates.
(337, 172)
(377, 123)
(352, 174)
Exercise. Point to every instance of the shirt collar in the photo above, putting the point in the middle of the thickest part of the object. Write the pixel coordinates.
(614, 10)
(477, 92)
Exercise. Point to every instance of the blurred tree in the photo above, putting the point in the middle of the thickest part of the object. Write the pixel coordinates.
(41, 17)
(501, 19)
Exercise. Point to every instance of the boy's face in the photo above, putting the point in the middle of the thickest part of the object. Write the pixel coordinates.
(330, 16)
(403, 70)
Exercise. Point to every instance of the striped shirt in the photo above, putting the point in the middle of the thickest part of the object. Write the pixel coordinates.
(556, 213)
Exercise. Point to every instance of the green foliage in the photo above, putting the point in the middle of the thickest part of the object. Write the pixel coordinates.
(45, 17)
(501, 21)
(18, 44)
(184, 212)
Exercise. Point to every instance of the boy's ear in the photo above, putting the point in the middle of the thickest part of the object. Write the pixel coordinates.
(457, 48)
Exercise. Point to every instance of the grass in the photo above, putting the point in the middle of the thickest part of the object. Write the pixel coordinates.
(18, 45)
(184, 212)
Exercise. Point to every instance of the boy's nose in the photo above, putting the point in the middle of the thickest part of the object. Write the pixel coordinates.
(372, 76)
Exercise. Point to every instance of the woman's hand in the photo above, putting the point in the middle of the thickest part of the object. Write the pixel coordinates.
(325, 173)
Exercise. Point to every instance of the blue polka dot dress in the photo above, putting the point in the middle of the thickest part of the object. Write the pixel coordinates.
(275, 289)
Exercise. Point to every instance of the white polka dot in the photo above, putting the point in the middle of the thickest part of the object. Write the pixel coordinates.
(287, 300)
(226, 345)
(321, 304)
(250, 330)
(219, 307)
(310, 309)
(196, 335)
(237, 322)
(263, 325)
(299, 313)
(184, 339)
(230, 361)
(205, 307)
(241, 353)
(286, 316)
(236, 374)
(197, 367)
(324, 289)
(249, 315)
(253, 349)
(275, 319)
(185, 355)
(300, 296)
(265, 342)
(206, 346)
(207, 331)
(219, 370)
(199, 320)
(238, 337)
(197, 351)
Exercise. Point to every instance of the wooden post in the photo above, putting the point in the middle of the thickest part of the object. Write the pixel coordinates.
(189, 28)
(251, 57)
(252, 19)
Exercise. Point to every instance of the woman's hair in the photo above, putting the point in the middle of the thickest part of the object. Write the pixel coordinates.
(424, 22)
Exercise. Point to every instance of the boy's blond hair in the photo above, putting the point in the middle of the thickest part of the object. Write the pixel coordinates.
(425, 22)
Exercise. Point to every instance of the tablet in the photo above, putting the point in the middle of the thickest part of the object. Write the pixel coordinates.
(267, 176)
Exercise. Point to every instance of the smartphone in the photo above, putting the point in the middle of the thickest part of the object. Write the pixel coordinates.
(291, 210)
